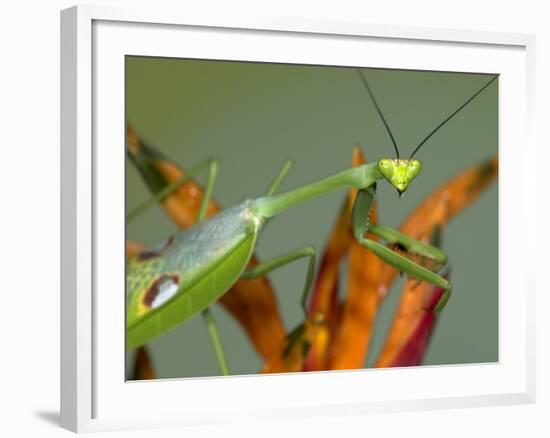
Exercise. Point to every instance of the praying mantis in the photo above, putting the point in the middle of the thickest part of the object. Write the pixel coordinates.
(183, 276)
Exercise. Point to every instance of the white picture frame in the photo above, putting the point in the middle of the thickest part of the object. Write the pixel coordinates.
(94, 396)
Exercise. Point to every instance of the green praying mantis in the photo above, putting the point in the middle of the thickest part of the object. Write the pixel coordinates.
(190, 271)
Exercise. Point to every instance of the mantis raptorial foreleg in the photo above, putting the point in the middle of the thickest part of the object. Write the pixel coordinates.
(362, 225)
(412, 246)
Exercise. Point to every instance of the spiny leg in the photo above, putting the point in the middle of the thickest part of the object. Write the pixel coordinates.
(270, 265)
(361, 224)
(392, 236)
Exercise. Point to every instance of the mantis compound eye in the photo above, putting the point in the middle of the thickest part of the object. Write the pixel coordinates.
(414, 168)
(386, 167)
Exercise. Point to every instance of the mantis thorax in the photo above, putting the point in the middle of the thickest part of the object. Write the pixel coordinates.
(399, 172)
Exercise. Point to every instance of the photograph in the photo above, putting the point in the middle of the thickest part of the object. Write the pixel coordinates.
(288, 218)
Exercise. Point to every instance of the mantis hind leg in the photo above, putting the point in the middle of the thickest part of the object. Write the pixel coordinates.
(213, 174)
(361, 224)
(276, 183)
(208, 189)
(207, 196)
(206, 313)
(270, 265)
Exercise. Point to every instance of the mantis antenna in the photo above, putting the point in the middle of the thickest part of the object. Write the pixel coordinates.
(452, 115)
(378, 110)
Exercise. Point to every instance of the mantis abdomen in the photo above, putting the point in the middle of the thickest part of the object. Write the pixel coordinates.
(188, 272)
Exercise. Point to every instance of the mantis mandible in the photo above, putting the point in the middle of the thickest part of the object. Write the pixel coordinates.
(190, 271)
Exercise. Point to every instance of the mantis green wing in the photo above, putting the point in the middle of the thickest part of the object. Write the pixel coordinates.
(187, 274)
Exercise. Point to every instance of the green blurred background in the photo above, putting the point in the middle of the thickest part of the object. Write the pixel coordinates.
(253, 116)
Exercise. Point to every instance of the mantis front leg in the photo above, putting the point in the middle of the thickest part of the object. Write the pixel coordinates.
(361, 224)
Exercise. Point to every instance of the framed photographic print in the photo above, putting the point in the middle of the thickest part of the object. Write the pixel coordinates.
(281, 212)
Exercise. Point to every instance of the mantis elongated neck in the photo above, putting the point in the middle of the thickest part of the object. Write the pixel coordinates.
(358, 177)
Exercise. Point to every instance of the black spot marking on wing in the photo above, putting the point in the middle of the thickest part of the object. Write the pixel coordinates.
(156, 288)
(153, 253)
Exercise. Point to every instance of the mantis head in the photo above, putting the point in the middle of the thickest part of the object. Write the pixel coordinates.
(398, 172)
(401, 172)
